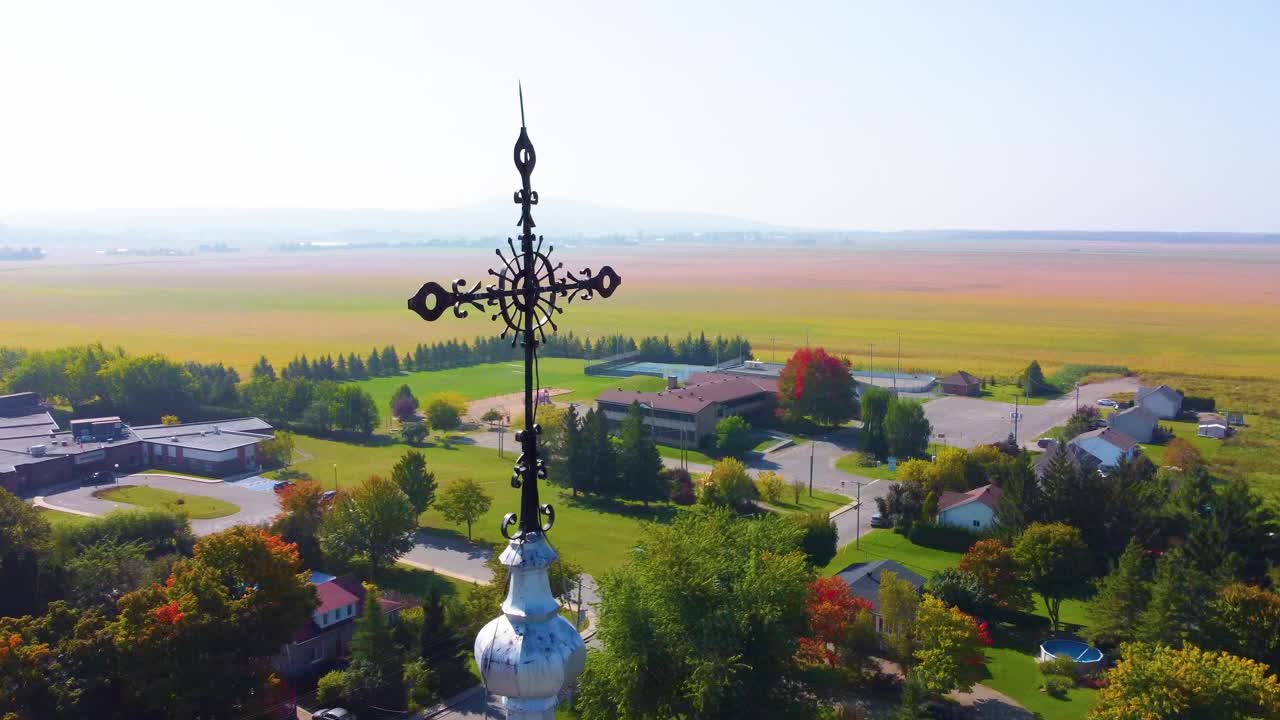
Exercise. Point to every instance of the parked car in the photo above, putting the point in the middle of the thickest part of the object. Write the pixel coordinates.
(333, 714)
(879, 521)
(1108, 402)
(102, 477)
(282, 486)
(328, 496)
(1043, 443)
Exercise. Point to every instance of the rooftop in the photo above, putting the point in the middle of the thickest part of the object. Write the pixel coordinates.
(702, 390)
(960, 377)
(988, 495)
(218, 435)
(37, 423)
(1108, 435)
(863, 579)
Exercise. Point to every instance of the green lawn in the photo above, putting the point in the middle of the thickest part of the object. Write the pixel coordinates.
(693, 455)
(1011, 667)
(596, 533)
(1008, 393)
(1208, 447)
(848, 463)
(481, 381)
(196, 507)
(820, 501)
(60, 519)
(419, 583)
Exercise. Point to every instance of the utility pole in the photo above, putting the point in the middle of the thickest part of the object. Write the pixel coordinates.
(773, 349)
(873, 363)
(898, 370)
(1016, 417)
(1077, 397)
(335, 476)
(812, 442)
(857, 533)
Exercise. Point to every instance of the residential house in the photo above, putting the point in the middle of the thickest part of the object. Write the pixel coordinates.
(1163, 401)
(1137, 422)
(1213, 426)
(864, 579)
(1108, 445)
(1081, 460)
(973, 510)
(326, 638)
(689, 414)
(961, 383)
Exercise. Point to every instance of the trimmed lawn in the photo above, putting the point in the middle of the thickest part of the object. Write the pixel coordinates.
(1208, 447)
(848, 463)
(821, 501)
(482, 381)
(1008, 393)
(1011, 667)
(419, 583)
(196, 507)
(596, 533)
(58, 519)
(692, 455)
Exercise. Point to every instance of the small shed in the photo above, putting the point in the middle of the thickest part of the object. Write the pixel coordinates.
(1213, 426)
(961, 383)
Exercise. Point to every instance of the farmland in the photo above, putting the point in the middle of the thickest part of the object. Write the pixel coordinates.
(989, 309)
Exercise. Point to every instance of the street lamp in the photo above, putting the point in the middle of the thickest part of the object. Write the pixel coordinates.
(335, 476)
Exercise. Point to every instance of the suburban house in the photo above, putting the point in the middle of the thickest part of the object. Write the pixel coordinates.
(961, 383)
(326, 637)
(1213, 426)
(219, 448)
(1163, 401)
(1108, 445)
(35, 454)
(974, 510)
(1137, 422)
(1079, 459)
(688, 415)
(863, 580)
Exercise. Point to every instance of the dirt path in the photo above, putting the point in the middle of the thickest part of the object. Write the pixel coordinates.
(511, 404)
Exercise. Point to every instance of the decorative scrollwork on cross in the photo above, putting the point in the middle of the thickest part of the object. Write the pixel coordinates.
(526, 295)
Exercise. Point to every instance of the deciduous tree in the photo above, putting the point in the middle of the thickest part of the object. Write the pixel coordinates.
(445, 411)
(907, 429)
(771, 486)
(840, 625)
(1156, 682)
(820, 536)
(24, 541)
(992, 565)
(464, 501)
(301, 511)
(727, 485)
(816, 385)
(875, 406)
(1245, 621)
(374, 522)
(733, 436)
(1055, 562)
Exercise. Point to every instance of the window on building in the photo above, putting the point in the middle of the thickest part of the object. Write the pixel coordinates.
(976, 524)
(315, 653)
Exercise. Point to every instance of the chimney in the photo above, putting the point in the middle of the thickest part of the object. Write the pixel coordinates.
(672, 382)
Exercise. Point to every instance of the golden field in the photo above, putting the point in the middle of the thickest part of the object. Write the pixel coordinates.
(1166, 308)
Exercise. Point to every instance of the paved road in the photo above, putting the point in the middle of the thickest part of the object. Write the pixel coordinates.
(256, 506)
(969, 422)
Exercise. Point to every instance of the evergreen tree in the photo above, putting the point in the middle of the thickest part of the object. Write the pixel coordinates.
(1033, 382)
(433, 636)
(390, 360)
(1122, 596)
(374, 363)
(568, 465)
(372, 644)
(356, 368)
(639, 465)
(600, 458)
(263, 369)
(1179, 599)
(342, 367)
(1021, 504)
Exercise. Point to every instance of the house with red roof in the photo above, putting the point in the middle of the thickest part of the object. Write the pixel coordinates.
(325, 639)
(973, 510)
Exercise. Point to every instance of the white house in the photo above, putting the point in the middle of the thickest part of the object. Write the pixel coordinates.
(974, 510)
(1163, 401)
(1108, 445)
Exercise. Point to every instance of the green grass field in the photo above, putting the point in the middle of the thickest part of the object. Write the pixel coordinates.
(196, 507)
(1208, 447)
(820, 501)
(850, 464)
(1011, 667)
(59, 519)
(1005, 393)
(596, 533)
(482, 381)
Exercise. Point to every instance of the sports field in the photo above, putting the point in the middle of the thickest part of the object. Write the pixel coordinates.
(1208, 310)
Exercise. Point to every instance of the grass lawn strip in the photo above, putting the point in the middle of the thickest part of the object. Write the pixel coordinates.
(1008, 393)
(196, 507)
(58, 518)
(821, 501)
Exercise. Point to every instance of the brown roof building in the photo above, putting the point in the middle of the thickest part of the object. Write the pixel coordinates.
(961, 383)
(688, 415)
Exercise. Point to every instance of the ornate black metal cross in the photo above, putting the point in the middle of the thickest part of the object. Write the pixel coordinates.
(527, 295)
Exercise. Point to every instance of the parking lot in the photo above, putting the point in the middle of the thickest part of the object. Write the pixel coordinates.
(968, 422)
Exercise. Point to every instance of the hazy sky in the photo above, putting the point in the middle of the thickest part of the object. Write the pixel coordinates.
(889, 115)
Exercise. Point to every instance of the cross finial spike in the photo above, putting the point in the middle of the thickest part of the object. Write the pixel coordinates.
(520, 89)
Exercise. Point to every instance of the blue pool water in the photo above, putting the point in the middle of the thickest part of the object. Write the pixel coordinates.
(1073, 649)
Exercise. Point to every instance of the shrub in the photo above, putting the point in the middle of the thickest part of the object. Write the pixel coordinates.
(820, 536)
(861, 458)
(163, 532)
(681, 484)
(733, 436)
(417, 684)
(771, 486)
(942, 537)
(958, 589)
(1057, 686)
(413, 432)
(1065, 667)
(332, 688)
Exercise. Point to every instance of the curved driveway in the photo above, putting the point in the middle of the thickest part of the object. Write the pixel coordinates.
(256, 506)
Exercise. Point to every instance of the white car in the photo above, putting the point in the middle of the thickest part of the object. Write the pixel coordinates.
(334, 714)
(1108, 402)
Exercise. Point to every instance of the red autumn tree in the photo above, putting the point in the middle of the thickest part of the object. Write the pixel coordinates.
(837, 622)
(991, 563)
(817, 386)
